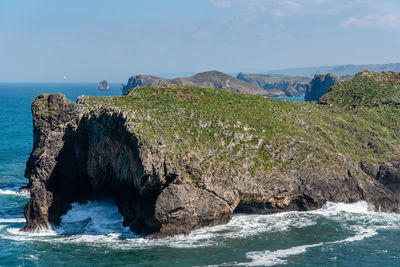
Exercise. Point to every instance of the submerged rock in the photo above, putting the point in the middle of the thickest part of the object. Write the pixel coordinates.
(177, 158)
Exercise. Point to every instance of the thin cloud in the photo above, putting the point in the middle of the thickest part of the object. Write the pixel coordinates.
(221, 3)
(292, 4)
(276, 8)
(374, 21)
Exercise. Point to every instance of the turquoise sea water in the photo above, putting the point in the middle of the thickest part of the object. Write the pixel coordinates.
(336, 235)
(295, 99)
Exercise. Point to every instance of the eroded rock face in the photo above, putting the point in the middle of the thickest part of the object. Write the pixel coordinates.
(79, 153)
(319, 86)
(52, 167)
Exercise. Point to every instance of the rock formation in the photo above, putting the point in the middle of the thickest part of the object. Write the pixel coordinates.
(213, 79)
(319, 86)
(104, 85)
(177, 158)
(290, 86)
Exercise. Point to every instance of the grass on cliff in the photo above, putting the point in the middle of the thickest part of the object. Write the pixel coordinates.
(261, 135)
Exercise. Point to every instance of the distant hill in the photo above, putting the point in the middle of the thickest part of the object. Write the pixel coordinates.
(339, 70)
(214, 79)
(289, 85)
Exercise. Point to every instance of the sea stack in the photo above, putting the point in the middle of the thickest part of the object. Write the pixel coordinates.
(104, 85)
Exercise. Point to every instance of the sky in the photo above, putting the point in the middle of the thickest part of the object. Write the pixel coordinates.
(92, 40)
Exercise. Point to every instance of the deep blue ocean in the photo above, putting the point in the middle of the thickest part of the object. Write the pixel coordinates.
(336, 235)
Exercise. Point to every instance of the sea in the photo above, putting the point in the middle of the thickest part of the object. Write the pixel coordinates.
(91, 234)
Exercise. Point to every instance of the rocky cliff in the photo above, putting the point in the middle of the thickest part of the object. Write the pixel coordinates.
(289, 86)
(214, 79)
(177, 158)
(319, 86)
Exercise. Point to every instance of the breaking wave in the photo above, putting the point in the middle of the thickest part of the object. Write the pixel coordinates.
(99, 224)
(14, 191)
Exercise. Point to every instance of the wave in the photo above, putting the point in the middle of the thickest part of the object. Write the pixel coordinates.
(358, 217)
(332, 209)
(268, 258)
(19, 235)
(12, 220)
(14, 191)
(99, 224)
(89, 218)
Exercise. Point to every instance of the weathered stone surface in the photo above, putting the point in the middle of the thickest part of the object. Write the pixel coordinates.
(80, 153)
(52, 167)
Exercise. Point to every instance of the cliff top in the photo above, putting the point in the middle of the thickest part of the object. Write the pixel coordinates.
(228, 126)
(366, 89)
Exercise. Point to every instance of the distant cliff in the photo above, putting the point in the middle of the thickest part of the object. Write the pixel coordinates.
(213, 79)
(320, 85)
(176, 158)
(289, 85)
(339, 70)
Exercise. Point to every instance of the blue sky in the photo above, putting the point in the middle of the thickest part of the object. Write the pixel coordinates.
(41, 41)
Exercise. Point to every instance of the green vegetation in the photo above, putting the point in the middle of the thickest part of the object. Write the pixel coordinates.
(366, 89)
(263, 135)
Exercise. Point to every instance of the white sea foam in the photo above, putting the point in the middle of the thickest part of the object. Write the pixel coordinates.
(331, 208)
(94, 217)
(268, 258)
(14, 192)
(12, 220)
(364, 233)
(357, 217)
(22, 235)
(99, 224)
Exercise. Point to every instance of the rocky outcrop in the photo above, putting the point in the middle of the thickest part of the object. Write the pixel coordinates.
(104, 85)
(107, 147)
(213, 79)
(319, 86)
(82, 155)
(290, 86)
(52, 168)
